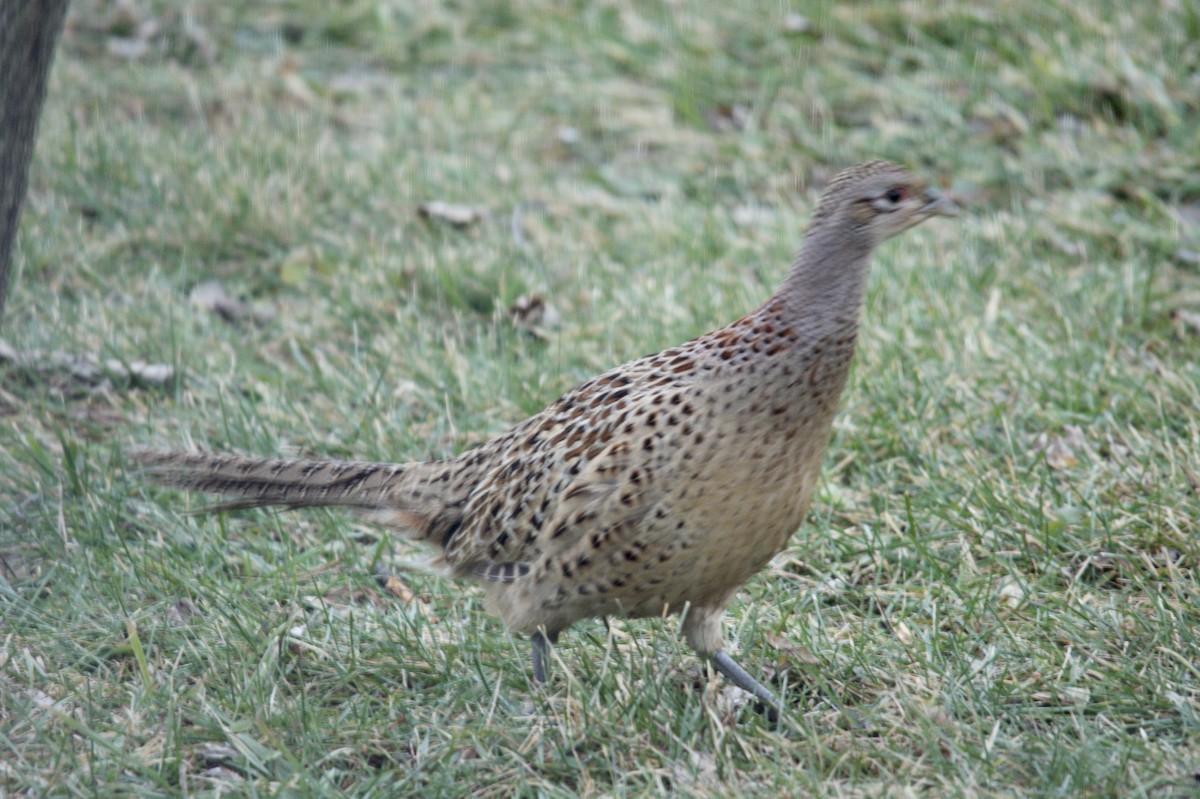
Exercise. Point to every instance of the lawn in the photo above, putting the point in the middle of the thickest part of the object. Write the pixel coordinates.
(388, 231)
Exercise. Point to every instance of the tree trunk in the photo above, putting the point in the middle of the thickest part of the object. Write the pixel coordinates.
(29, 30)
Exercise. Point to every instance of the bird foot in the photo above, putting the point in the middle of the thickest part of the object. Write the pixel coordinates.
(730, 670)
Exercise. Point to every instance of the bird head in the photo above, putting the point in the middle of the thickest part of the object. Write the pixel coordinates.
(878, 200)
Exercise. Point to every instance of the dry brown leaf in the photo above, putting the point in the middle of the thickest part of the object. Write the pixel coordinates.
(396, 587)
(533, 314)
(296, 87)
(157, 374)
(1059, 455)
(211, 296)
(181, 613)
(455, 214)
(97, 414)
(1061, 451)
(85, 368)
(216, 752)
(131, 37)
(220, 774)
(728, 118)
(1074, 695)
(795, 653)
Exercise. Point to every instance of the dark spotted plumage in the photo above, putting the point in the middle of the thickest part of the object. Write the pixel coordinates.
(658, 487)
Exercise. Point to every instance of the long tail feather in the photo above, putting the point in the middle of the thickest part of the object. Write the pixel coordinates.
(255, 482)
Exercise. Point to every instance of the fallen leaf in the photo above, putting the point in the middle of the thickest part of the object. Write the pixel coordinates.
(452, 213)
(395, 586)
(534, 315)
(1061, 451)
(155, 374)
(1189, 321)
(730, 117)
(1011, 592)
(212, 297)
(799, 654)
(100, 415)
(221, 774)
(214, 752)
(794, 23)
(85, 369)
(181, 613)
(1074, 695)
(42, 699)
(298, 89)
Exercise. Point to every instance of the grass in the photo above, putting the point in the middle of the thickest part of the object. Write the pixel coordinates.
(998, 590)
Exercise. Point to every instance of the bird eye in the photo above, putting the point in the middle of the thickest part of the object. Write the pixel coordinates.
(895, 195)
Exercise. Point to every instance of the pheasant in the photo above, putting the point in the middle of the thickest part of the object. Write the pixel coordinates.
(660, 486)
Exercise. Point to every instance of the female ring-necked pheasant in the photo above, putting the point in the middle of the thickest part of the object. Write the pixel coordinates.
(659, 486)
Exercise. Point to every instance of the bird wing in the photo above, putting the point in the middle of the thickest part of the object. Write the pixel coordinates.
(588, 463)
(599, 509)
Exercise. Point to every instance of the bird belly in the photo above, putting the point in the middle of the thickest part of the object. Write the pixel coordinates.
(698, 553)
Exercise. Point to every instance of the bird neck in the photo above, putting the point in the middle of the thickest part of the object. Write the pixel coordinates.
(824, 289)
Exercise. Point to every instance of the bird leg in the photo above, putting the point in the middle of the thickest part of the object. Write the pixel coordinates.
(731, 671)
(701, 626)
(541, 653)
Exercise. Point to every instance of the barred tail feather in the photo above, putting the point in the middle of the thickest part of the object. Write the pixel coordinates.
(257, 482)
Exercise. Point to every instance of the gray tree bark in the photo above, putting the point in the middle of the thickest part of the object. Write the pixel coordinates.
(29, 30)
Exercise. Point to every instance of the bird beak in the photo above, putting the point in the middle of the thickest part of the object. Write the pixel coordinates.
(936, 205)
